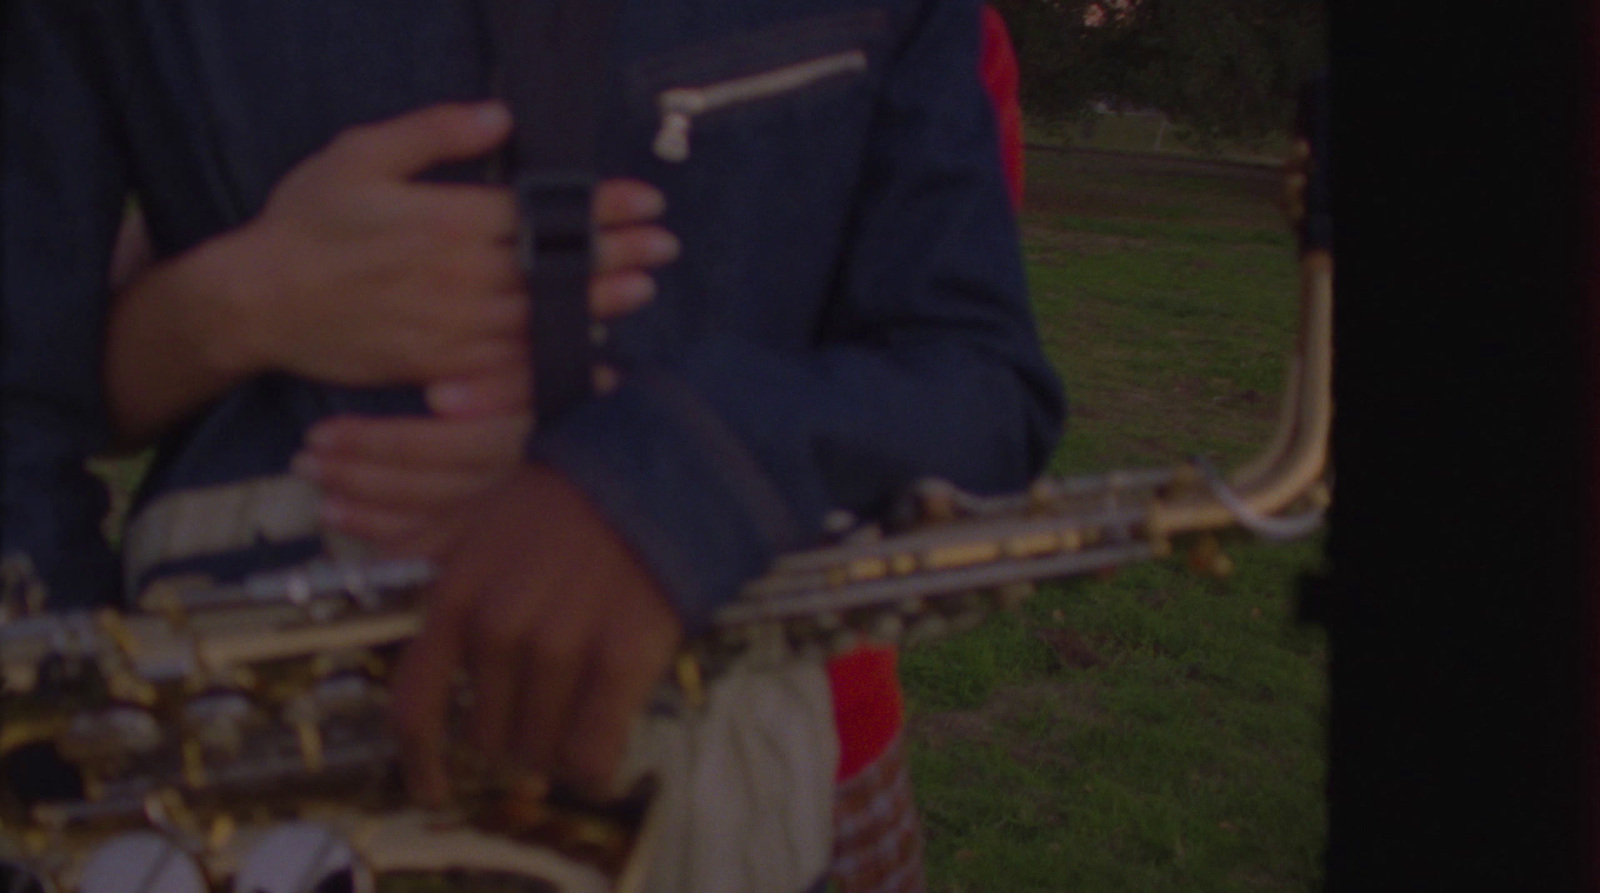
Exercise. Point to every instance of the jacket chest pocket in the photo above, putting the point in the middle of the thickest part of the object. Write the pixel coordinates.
(678, 107)
(796, 68)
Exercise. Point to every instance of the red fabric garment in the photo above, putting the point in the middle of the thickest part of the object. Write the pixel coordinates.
(1002, 78)
(868, 705)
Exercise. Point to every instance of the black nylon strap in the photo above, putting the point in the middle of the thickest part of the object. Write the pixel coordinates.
(550, 66)
(556, 248)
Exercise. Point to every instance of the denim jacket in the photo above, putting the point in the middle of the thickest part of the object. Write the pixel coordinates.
(848, 314)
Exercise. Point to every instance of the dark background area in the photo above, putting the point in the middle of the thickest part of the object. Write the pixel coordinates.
(1460, 596)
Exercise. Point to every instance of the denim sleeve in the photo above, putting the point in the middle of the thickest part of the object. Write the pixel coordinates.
(926, 363)
(62, 189)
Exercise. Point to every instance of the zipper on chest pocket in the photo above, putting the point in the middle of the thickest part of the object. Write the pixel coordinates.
(679, 106)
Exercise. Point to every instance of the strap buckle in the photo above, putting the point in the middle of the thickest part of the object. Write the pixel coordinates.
(555, 215)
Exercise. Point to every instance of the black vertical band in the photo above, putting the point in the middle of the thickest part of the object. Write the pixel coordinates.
(551, 65)
(555, 251)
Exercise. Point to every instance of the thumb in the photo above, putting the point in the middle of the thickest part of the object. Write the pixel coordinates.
(407, 145)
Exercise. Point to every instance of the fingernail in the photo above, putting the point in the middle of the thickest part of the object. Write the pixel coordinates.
(647, 202)
(634, 292)
(663, 247)
(450, 397)
(321, 437)
(492, 115)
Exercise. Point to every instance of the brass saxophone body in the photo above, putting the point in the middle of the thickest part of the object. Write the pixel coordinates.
(237, 733)
(232, 732)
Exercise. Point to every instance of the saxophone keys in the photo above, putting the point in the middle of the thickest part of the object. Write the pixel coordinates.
(903, 564)
(1043, 494)
(1208, 559)
(94, 789)
(194, 764)
(118, 731)
(125, 686)
(116, 629)
(222, 721)
(963, 555)
(1033, 544)
(691, 680)
(309, 736)
(221, 832)
(166, 811)
(938, 501)
(867, 569)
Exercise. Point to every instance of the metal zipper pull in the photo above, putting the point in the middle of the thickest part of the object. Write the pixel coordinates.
(672, 140)
(680, 105)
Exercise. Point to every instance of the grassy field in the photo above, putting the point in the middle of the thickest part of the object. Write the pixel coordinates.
(1157, 730)
(1147, 133)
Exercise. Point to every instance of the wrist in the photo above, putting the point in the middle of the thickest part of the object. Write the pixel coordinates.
(227, 288)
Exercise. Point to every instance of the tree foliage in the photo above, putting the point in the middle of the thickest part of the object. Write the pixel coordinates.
(1226, 69)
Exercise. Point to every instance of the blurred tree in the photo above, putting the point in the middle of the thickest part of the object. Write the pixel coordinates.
(1223, 69)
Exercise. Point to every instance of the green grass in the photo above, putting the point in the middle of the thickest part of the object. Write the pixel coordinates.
(1178, 746)
(122, 475)
(1144, 133)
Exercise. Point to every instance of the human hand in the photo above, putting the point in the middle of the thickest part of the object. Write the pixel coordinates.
(561, 630)
(357, 273)
(132, 253)
(393, 482)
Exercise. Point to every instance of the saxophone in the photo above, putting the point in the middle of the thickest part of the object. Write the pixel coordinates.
(235, 735)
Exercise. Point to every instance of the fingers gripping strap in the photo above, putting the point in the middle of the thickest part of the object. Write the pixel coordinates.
(556, 250)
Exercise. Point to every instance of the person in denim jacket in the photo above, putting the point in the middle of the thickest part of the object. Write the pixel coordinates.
(847, 314)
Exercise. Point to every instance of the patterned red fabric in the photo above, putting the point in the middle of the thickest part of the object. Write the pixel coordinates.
(868, 706)
(877, 838)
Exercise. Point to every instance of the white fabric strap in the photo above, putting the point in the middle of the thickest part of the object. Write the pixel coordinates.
(210, 520)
